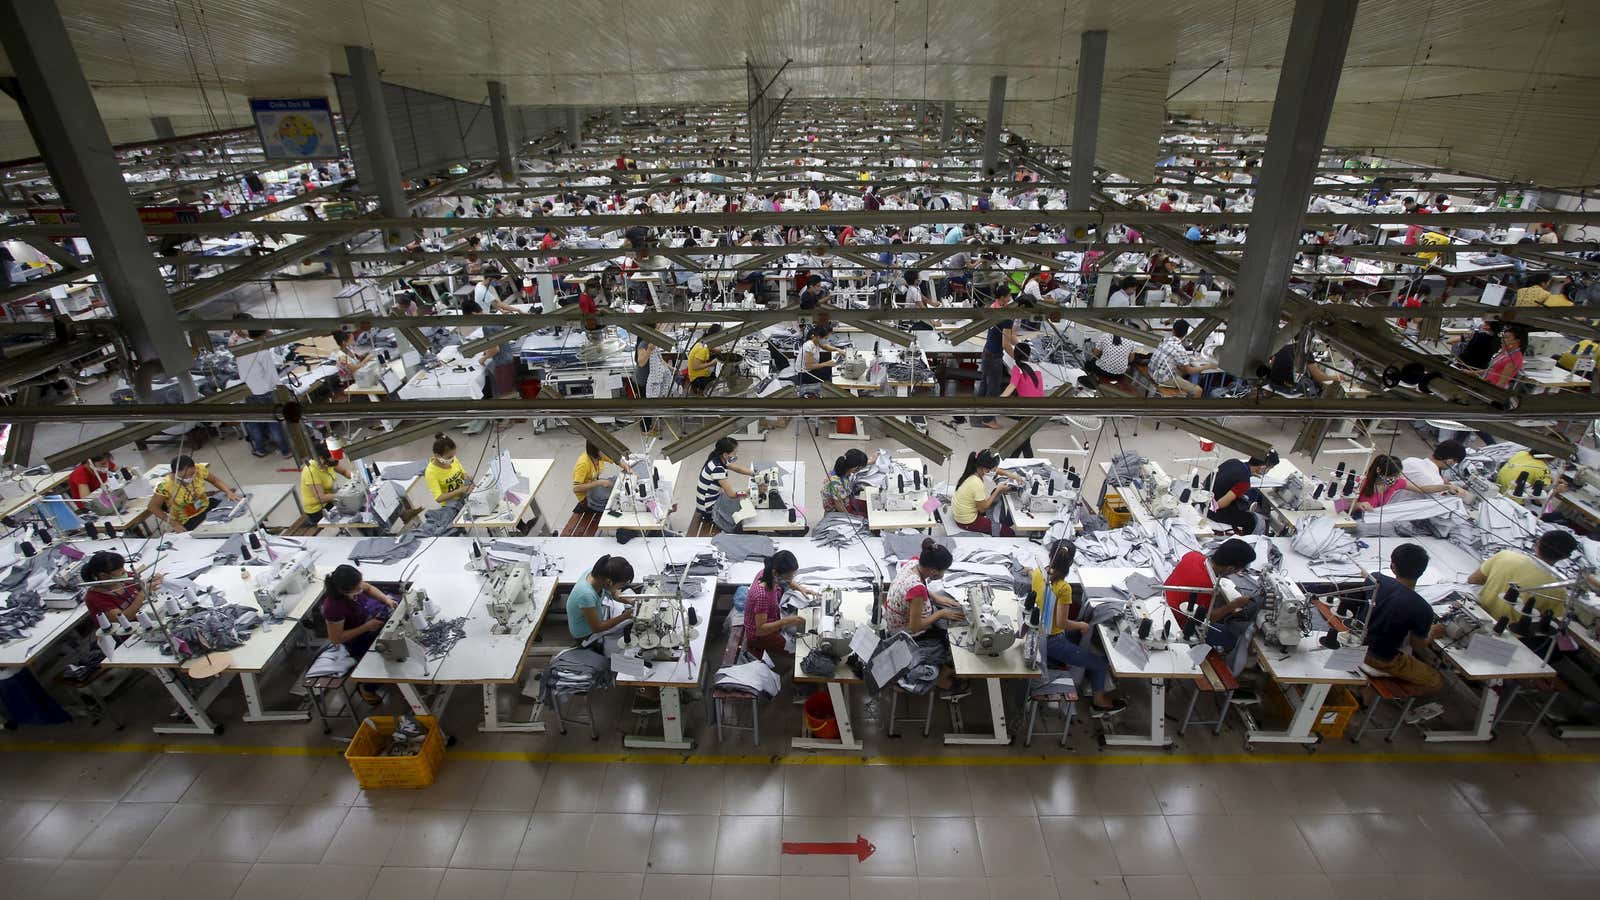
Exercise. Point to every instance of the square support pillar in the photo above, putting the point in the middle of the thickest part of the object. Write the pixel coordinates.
(1086, 116)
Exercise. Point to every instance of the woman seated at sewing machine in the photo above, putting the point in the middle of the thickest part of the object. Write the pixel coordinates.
(585, 602)
(181, 499)
(592, 491)
(764, 620)
(446, 478)
(114, 592)
(355, 612)
(316, 482)
(911, 606)
(1385, 478)
(1068, 647)
(837, 494)
(973, 499)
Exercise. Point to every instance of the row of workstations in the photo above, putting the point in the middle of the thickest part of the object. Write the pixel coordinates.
(496, 645)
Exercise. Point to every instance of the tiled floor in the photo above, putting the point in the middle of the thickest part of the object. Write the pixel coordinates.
(130, 826)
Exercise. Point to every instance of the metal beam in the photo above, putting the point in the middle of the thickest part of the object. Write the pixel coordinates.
(1086, 116)
(947, 122)
(504, 149)
(162, 125)
(60, 112)
(127, 435)
(1319, 34)
(574, 126)
(994, 125)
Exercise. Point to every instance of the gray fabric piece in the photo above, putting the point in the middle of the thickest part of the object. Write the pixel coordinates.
(404, 471)
(905, 546)
(385, 550)
(575, 671)
(441, 521)
(206, 628)
(1126, 468)
(596, 498)
(722, 514)
(740, 547)
(837, 529)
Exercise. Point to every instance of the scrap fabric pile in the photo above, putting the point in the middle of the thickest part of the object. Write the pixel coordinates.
(18, 618)
(442, 636)
(407, 738)
(203, 629)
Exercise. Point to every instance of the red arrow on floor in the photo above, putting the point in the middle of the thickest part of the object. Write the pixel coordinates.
(860, 848)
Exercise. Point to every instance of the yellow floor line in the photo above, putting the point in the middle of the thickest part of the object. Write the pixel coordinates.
(806, 759)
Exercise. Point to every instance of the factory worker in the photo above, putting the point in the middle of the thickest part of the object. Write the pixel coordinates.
(1521, 473)
(347, 357)
(90, 475)
(713, 486)
(764, 620)
(974, 498)
(1234, 495)
(1068, 645)
(1383, 480)
(447, 480)
(837, 494)
(316, 482)
(585, 609)
(355, 612)
(1425, 474)
(1195, 579)
(111, 590)
(1528, 573)
(181, 499)
(592, 491)
(1400, 621)
(911, 606)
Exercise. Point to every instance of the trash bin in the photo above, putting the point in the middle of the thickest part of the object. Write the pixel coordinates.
(818, 714)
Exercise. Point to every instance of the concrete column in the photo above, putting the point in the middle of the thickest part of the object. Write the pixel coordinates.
(1318, 37)
(60, 112)
(503, 144)
(1086, 116)
(378, 168)
(574, 126)
(163, 127)
(991, 128)
(947, 122)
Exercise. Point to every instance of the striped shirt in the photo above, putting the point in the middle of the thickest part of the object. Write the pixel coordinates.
(708, 490)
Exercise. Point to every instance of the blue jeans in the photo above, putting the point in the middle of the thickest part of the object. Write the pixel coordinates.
(1066, 653)
(263, 434)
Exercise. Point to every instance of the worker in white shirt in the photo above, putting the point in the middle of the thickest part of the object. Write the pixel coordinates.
(1126, 293)
(813, 199)
(487, 294)
(1425, 475)
(259, 370)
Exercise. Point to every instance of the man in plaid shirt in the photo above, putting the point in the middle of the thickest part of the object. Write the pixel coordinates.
(1172, 363)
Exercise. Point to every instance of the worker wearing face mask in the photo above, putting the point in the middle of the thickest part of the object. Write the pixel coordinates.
(447, 480)
(181, 499)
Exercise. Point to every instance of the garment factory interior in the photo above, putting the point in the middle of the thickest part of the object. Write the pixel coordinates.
(1028, 449)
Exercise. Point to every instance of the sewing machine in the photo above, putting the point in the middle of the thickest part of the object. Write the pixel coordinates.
(634, 494)
(508, 585)
(895, 496)
(1050, 495)
(1159, 500)
(834, 630)
(991, 633)
(286, 578)
(851, 366)
(370, 375)
(662, 626)
(486, 495)
(1286, 613)
(406, 622)
(351, 497)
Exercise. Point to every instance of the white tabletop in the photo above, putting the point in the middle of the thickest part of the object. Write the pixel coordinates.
(263, 500)
(481, 657)
(510, 515)
(1307, 663)
(30, 489)
(893, 520)
(684, 672)
(643, 521)
(1172, 662)
(793, 492)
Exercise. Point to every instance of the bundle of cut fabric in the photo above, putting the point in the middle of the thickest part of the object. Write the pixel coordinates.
(837, 529)
(709, 563)
(741, 547)
(206, 628)
(1319, 538)
(576, 671)
(442, 636)
(439, 521)
(18, 618)
(750, 674)
(385, 550)
(1127, 468)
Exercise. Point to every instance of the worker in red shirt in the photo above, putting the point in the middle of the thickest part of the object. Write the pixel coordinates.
(1194, 581)
(89, 476)
(111, 590)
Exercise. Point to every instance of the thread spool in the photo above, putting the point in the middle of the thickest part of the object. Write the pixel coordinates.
(792, 515)
(103, 620)
(1330, 639)
(1144, 627)
(1500, 626)
(110, 531)
(92, 529)
(145, 620)
(27, 549)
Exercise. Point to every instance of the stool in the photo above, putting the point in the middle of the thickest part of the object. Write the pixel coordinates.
(722, 695)
(894, 705)
(700, 526)
(317, 689)
(1217, 679)
(1389, 689)
(1061, 692)
(585, 522)
(1553, 686)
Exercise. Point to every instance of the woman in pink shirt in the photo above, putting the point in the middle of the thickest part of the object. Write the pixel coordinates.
(1507, 364)
(1026, 381)
(1383, 481)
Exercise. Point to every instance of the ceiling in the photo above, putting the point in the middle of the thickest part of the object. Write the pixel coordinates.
(1489, 86)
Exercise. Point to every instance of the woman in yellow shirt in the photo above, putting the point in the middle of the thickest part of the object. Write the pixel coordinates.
(181, 499)
(592, 491)
(1535, 292)
(701, 371)
(446, 478)
(1067, 646)
(973, 498)
(316, 483)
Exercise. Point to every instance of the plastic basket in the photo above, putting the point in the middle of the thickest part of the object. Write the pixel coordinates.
(373, 771)
(1114, 511)
(1332, 719)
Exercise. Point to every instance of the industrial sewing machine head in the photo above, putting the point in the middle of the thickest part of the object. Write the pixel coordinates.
(1052, 494)
(351, 497)
(485, 497)
(834, 629)
(406, 622)
(1459, 619)
(508, 589)
(904, 490)
(663, 626)
(1286, 613)
(989, 631)
(1152, 623)
(286, 578)
(852, 366)
(370, 375)
(767, 489)
(636, 494)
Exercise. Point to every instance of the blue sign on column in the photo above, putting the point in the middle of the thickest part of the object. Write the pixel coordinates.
(296, 128)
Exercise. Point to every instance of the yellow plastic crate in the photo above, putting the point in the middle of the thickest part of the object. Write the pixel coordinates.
(1114, 511)
(373, 771)
(1332, 719)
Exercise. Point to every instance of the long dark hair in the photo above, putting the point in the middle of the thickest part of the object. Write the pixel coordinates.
(102, 563)
(987, 458)
(1061, 557)
(591, 450)
(342, 580)
(934, 555)
(1021, 354)
(442, 443)
(1383, 466)
(851, 460)
(776, 564)
(613, 569)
